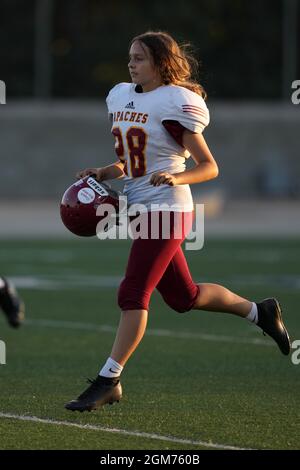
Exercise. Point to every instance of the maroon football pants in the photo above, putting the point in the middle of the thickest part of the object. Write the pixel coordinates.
(159, 263)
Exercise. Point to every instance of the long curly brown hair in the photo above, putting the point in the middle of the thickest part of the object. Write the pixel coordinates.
(175, 64)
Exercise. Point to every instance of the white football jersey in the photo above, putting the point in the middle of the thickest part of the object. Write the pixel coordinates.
(148, 129)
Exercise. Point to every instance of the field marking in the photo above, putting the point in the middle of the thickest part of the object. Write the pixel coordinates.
(67, 281)
(146, 435)
(47, 323)
(64, 255)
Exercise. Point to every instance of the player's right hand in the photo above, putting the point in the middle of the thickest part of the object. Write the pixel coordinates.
(98, 173)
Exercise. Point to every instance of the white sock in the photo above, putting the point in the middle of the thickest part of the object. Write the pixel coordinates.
(2, 283)
(111, 369)
(253, 314)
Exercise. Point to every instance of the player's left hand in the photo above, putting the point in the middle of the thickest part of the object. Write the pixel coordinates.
(162, 177)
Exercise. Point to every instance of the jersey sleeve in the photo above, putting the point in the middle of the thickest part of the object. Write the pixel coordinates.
(188, 109)
(113, 95)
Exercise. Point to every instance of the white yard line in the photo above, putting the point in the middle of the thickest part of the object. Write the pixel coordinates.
(67, 281)
(125, 432)
(47, 323)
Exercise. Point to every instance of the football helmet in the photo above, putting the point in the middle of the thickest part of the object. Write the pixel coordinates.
(78, 208)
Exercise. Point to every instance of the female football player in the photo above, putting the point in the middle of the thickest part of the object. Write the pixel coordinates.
(157, 122)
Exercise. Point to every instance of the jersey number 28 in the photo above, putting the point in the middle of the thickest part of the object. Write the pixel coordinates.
(136, 139)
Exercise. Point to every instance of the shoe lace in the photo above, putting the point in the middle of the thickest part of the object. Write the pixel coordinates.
(91, 388)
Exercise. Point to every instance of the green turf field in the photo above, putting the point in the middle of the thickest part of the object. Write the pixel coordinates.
(197, 380)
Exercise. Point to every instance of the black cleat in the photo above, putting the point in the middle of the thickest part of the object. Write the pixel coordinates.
(270, 321)
(11, 304)
(101, 391)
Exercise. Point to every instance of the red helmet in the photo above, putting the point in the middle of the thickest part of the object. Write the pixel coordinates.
(80, 203)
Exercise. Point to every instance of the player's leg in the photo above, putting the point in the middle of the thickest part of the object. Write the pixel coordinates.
(107, 388)
(130, 332)
(182, 294)
(266, 314)
(176, 286)
(146, 266)
(147, 262)
(216, 298)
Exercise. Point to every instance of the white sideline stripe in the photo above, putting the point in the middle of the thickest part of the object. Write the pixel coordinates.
(146, 435)
(151, 332)
(65, 282)
(69, 281)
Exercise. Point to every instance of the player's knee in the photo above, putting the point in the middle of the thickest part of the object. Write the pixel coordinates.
(179, 305)
(131, 297)
(184, 301)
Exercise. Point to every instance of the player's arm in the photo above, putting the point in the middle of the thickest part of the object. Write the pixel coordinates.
(205, 169)
(109, 172)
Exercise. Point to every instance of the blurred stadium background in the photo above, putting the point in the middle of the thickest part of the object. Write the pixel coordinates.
(58, 60)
